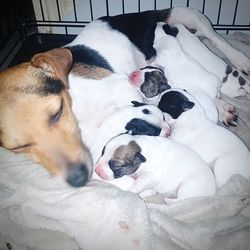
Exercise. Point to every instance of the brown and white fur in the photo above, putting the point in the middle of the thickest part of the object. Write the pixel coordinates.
(36, 114)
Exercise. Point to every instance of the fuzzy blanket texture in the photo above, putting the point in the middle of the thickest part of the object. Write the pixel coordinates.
(38, 211)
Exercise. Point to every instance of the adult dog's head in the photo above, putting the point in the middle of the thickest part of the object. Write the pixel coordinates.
(36, 116)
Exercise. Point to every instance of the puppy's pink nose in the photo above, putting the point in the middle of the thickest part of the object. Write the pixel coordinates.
(165, 131)
(100, 171)
(134, 78)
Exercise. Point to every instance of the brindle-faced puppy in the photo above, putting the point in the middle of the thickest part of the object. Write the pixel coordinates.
(125, 160)
(36, 116)
(151, 83)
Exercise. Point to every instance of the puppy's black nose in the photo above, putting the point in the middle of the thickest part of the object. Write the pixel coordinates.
(77, 176)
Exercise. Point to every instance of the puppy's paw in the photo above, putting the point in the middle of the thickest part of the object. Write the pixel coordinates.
(227, 113)
(231, 120)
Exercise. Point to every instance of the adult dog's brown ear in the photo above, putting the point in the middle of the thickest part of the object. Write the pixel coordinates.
(56, 63)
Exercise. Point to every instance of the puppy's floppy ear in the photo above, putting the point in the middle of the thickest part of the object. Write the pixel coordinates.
(55, 63)
(137, 104)
(138, 159)
(186, 105)
(164, 86)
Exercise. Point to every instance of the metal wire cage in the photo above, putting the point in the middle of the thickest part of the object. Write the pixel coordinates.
(44, 24)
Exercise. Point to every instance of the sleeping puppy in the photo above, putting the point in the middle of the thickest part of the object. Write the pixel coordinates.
(137, 119)
(158, 165)
(222, 150)
(149, 81)
(234, 82)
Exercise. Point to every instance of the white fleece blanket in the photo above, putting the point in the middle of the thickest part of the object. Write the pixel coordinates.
(41, 212)
(38, 211)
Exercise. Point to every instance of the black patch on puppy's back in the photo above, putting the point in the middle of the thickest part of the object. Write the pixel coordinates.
(85, 55)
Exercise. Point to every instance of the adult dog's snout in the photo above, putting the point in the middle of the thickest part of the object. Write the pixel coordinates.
(77, 176)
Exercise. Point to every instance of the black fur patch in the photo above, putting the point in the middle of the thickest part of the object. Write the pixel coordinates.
(51, 86)
(47, 86)
(138, 27)
(146, 111)
(242, 81)
(193, 31)
(235, 73)
(229, 69)
(85, 55)
(142, 127)
(174, 103)
(138, 104)
(224, 79)
(172, 31)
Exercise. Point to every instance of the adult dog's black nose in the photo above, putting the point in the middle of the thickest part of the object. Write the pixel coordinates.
(77, 176)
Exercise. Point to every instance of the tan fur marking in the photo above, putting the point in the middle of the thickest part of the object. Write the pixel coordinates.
(55, 63)
(92, 72)
(125, 153)
(24, 116)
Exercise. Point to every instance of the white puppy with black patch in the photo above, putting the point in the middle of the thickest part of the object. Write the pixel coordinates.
(222, 150)
(158, 165)
(136, 119)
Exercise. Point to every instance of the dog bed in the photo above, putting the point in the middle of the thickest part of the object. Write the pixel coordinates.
(38, 211)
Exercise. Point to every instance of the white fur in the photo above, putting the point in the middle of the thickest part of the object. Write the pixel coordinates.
(94, 100)
(197, 50)
(114, 46)
(223, 151)
(184, 72)
(194, 19)
(115, 124)
(171, 168)
(181, 70)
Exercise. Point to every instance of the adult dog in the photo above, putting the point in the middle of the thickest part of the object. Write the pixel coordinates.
(36, 116)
